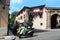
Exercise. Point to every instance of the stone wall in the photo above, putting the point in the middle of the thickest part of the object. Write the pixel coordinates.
(4, 12)
(50, 13)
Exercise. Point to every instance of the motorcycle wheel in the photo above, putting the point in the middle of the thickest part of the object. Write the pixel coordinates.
(31, 34)
(19, 35)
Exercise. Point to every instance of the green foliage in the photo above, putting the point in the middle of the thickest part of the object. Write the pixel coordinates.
(30, 20)
(13, 16)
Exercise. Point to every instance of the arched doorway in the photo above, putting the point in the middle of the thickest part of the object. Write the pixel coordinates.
(54, 21)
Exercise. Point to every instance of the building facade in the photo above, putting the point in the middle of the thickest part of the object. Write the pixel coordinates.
(43, 17)
(4, 14)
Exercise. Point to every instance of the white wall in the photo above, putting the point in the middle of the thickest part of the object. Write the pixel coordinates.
(19, 16)
(38, 20)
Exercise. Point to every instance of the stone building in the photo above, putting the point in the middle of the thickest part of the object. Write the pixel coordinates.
(43, 17)
(4, 14)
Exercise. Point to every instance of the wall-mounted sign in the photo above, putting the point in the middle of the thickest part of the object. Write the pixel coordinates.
(35, 13)
(30, 13)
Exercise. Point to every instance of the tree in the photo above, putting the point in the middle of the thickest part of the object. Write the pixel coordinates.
(30, 20)
(13, 15)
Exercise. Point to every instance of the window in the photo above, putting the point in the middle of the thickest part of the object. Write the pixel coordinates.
(41, 15)
(41, 24)
(21, 17)
(2, 1)
(24, 16)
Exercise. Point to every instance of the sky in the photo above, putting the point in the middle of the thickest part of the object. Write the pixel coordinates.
(17, 5)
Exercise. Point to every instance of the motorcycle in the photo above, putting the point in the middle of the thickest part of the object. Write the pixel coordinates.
(23, 31)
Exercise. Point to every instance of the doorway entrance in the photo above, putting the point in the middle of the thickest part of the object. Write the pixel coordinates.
(54, 21)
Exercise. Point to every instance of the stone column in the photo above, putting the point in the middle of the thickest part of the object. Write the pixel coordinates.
(0, 19)
(48, 20)
(0, 14)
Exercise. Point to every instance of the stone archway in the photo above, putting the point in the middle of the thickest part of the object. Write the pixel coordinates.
(54, 21)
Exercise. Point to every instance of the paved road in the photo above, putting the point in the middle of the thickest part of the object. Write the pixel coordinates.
(50, 35)
(53, 34)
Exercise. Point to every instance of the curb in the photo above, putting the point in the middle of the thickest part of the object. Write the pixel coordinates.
(2, 37)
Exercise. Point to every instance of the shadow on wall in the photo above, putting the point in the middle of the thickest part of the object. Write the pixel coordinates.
(38, 31)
